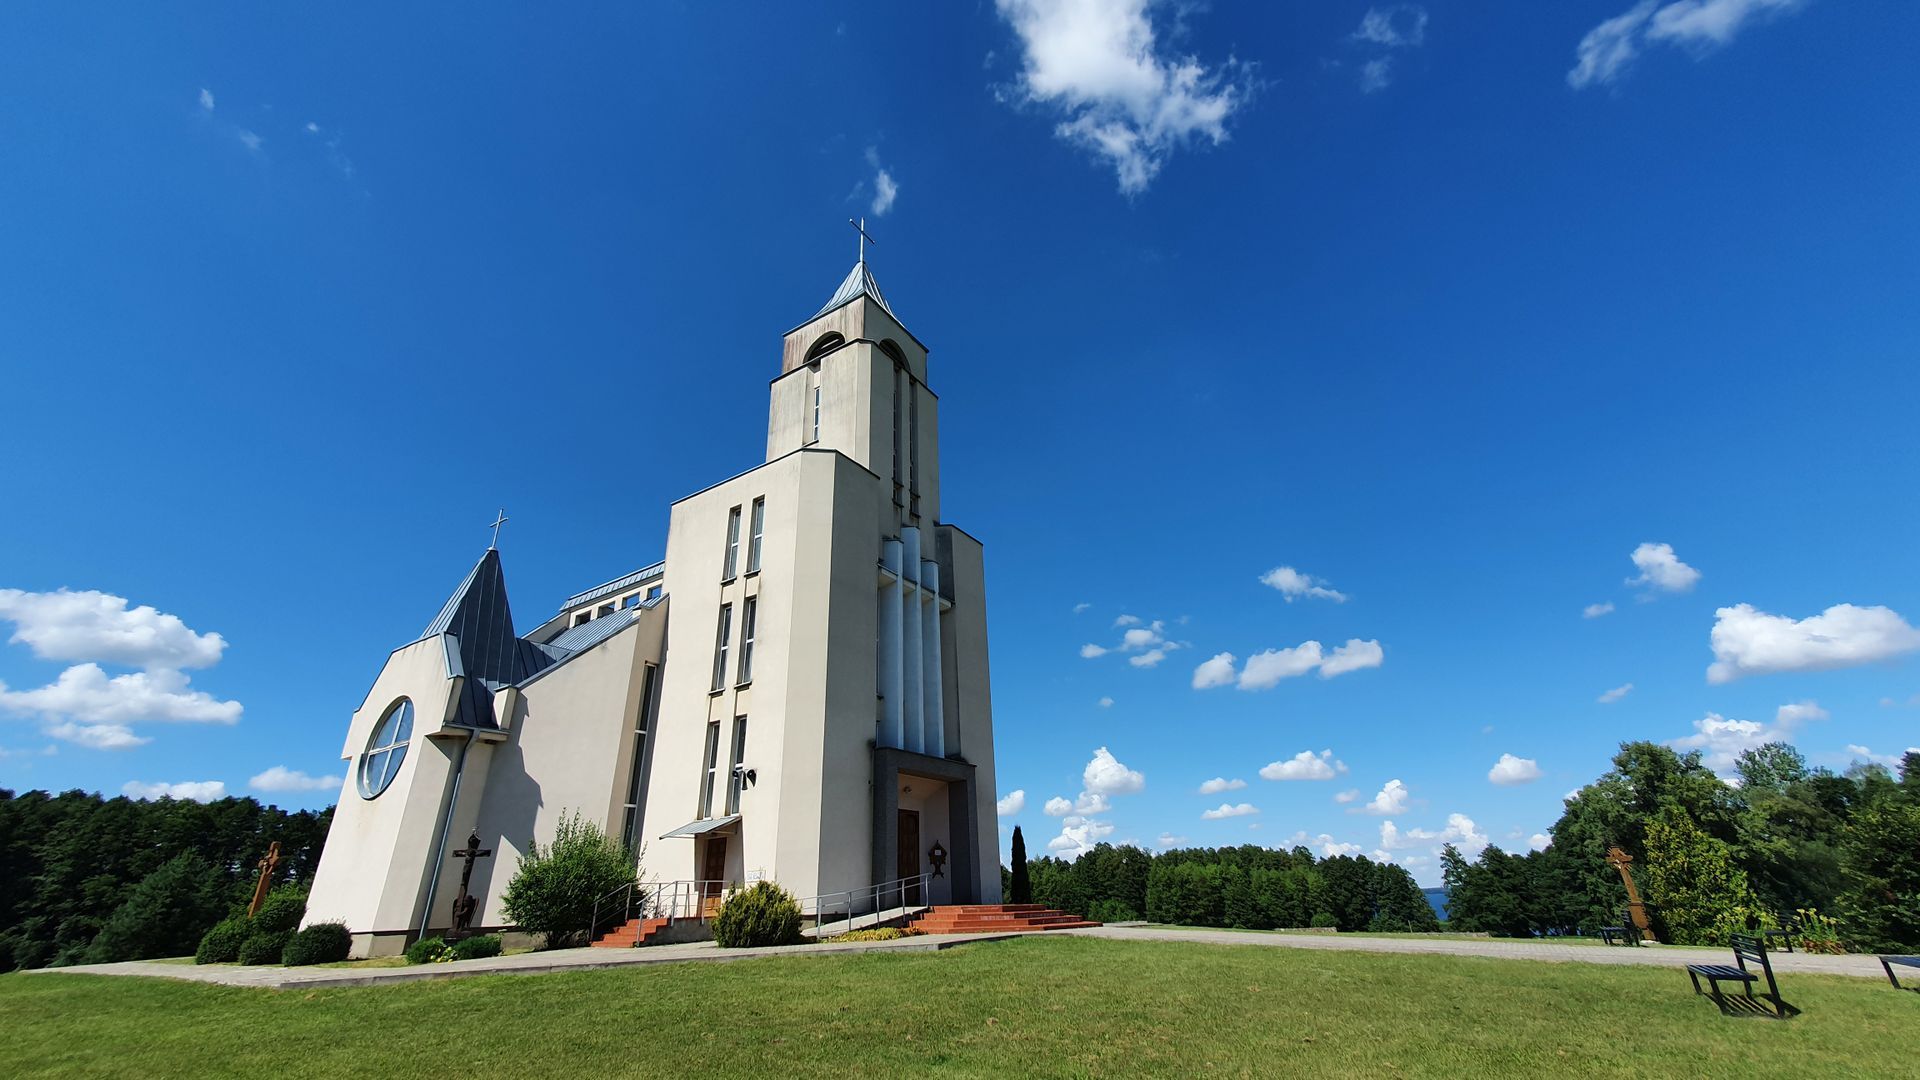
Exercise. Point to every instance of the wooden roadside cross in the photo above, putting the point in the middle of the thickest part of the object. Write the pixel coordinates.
(1623, 862)
(266, 878)
(464, 904)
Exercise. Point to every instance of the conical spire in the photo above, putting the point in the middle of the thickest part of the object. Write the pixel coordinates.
(477, 615)
(859, 281)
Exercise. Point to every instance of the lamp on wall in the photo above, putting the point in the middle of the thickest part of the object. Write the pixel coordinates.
(747, 776)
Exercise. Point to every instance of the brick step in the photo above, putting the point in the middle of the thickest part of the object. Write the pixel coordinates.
(1001, 928)
(995, 909)
(996, 919)
(633, 932)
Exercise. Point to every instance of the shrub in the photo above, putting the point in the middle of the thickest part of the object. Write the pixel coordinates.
(477, 948)
(221, 945)
(555, 887)
(321, 943)
(877, 933)
(282, 910)
(262, 948)
(1818, 933)
(165, 915)
(762, 914)
(1323, 920)
(430, 950)
(1111, 911)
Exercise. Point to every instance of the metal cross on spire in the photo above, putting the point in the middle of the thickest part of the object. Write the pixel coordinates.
(861, 228)
(498, 521)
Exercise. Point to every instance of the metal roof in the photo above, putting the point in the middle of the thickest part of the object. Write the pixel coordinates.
(618, 584)
(701, 827)
(859, 280)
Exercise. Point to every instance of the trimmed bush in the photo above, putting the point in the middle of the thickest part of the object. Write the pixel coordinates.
(1324, 920)
(282, 910)
(321, 943)
(431, 950)
(221, 945)
(264, 948)
(1110, 911)
(877, 933)
(477, 948)
(556, 885)
(762, 914)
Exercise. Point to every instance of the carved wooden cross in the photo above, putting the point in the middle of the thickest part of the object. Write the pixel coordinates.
(1623, 862)
(267, 864)
(464, 904)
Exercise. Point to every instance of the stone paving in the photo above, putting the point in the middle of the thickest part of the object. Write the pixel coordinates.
(1499, 948)
(532, 963)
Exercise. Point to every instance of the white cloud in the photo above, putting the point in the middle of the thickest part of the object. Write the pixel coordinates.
(1081, 607)
(1293, 584)
(1106, 703)
(98, 736)
(1143, 637)
(1347, 796)
(1090, 651)
(313, 128)
(1662, 570)
(250, 140)
(1376, 75)
(281, 778)
(1392, 799)
(885, 190)
(1057, 807)
(1615, 694)
(1168, 840)
(1460, 831)
(1396, 26)
(1147, 643)
(1015, 802)
(1594, 611)
(1096, 66)
(85, 694)
(1510, 770)
(1721, 741)
(1077, 836)
(1225, 810)
(1539, 841)
(1610, 48)
(91, 625)
(1305, 765)
(1217, 671)
(1265, 670)
(1750, 642)
(1353, 656)
(1891, 761)
(197, 790)
(1091, 802)
(1219, 784)
(206, 99)
(1126, 620)
(1150, 658)
(1329, 847)
(1106, 776)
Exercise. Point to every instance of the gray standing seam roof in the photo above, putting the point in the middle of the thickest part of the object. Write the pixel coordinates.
(859, 280)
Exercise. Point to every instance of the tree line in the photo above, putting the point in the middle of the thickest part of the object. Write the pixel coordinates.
(88, 879)
(1247, 887)
(1788, 844)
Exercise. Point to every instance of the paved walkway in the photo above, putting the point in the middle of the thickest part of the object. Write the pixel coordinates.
(1498, 948)
(532, 963)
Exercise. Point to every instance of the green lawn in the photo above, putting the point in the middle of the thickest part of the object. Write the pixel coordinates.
(1048, 1006)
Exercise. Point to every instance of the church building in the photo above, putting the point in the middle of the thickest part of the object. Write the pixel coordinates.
(817, 714)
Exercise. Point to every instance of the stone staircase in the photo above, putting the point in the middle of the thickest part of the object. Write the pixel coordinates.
(995, 919)
(629, 934)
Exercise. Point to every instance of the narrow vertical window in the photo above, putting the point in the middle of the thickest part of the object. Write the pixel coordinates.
(734, 779)
(748, 616)
(816, 410)
(720, 647)
(712, 759)
(637, 771)
(899, 438)
(733, 545)
(755, 532)
(913, 445)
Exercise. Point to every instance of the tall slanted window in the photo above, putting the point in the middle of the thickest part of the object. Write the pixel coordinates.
(712, 758)
(637, 770)
(816, 410)
(720, 647)
(899, 436)
(913, 447)
(734, 779)
(756, 531)
(733, 545)
(749, 612)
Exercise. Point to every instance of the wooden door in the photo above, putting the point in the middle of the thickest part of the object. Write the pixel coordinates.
(713, 874)
(908, 863)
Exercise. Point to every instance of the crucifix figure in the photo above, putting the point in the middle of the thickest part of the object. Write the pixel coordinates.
(1623, 862)
(464, 904)
(267, 864)
(499, 520)
(861, 228)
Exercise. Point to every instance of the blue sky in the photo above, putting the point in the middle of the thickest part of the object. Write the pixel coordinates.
(1447, 308)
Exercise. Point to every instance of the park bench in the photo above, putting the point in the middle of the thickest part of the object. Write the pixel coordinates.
(1904, 961)
(1784, 935)
(1746, 949)
(1624, 934)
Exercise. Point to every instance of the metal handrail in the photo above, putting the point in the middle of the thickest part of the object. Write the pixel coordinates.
(897, 888)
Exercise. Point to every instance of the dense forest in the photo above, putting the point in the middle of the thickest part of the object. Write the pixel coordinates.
(1712, 858)
(86, 879)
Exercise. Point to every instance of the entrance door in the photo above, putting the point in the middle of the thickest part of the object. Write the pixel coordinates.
(908, 864)
(713, 873)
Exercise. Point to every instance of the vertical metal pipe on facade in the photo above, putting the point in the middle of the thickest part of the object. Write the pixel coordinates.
(935, 717)
(912, 696)
(891, 676)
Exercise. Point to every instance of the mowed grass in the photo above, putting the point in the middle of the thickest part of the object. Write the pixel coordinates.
(1039, 1006)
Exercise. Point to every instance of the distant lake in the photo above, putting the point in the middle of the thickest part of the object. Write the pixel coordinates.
(1437, 898)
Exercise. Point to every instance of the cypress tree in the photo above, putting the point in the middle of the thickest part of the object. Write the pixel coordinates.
(1022, 888)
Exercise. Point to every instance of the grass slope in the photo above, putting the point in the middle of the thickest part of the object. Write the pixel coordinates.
(1052, 1006)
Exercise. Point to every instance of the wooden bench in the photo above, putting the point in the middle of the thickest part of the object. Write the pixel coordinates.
(1904, 961)
(1624, 934)
(1746, 949)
